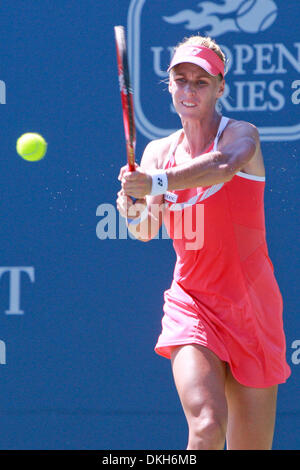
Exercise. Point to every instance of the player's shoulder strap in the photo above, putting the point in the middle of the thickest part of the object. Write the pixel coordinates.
(175, 139)
(222, 125)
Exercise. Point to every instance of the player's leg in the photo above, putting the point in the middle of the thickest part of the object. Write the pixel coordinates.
(200, 380)
(251, 416)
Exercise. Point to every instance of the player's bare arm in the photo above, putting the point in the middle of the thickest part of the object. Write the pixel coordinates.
(239, 148)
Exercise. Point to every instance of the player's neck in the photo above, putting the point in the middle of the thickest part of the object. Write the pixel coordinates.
(199, 134)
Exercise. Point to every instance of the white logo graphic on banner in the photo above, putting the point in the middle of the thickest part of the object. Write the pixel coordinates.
(262, 70)
(2, 352)
(248, 16)
(2, 92)
(14, 282)
(15, 286)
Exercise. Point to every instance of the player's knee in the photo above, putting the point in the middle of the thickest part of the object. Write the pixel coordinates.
(207, 433)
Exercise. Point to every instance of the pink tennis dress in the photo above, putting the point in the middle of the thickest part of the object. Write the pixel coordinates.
(224, 294)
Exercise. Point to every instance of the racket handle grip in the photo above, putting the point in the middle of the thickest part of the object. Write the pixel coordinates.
(131, 167)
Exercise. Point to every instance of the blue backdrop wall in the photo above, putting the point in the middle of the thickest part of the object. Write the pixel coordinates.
(80, 301)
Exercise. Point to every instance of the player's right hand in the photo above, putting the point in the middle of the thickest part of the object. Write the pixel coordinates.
(124, 169)
(128, 208)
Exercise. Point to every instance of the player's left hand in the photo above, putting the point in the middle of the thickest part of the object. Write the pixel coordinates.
(135, 183)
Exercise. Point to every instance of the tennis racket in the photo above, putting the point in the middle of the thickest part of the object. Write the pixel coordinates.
(126, 95)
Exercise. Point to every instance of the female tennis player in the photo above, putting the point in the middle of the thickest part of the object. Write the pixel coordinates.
(222, 324)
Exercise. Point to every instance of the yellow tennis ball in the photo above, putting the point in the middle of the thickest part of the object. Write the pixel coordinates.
(31, 146)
